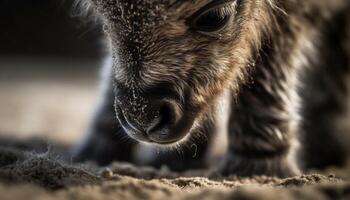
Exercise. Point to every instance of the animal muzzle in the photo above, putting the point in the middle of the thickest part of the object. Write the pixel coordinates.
(149, 117)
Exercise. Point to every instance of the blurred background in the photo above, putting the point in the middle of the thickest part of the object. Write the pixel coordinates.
(50, 56)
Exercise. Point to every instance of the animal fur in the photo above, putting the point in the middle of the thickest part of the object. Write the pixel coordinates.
(272, 87)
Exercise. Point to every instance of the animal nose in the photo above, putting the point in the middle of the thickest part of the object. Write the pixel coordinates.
(154, 122)
(159, 130)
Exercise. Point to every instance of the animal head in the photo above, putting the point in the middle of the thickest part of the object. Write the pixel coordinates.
(174, 58)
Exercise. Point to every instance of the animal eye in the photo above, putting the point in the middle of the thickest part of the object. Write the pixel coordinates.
(213, 17)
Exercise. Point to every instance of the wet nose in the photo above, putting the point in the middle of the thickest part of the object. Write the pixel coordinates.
(152, 122)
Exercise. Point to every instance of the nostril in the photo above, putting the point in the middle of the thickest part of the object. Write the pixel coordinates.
(167, 115)
(166, 118)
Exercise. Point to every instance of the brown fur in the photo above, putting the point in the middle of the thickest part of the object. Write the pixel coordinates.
(260, 61)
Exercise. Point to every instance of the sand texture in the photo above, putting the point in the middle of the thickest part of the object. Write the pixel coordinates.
(43, 175)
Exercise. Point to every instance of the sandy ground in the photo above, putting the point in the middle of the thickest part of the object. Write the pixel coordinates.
(43, 176)
(56, 105)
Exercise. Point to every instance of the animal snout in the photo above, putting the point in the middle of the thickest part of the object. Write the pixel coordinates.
(149, 119)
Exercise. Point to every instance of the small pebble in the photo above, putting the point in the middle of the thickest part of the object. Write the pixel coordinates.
(107, 173)
(331, 176)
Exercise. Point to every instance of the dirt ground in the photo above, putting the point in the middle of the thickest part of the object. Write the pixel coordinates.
(56, 105)
(29, 175)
